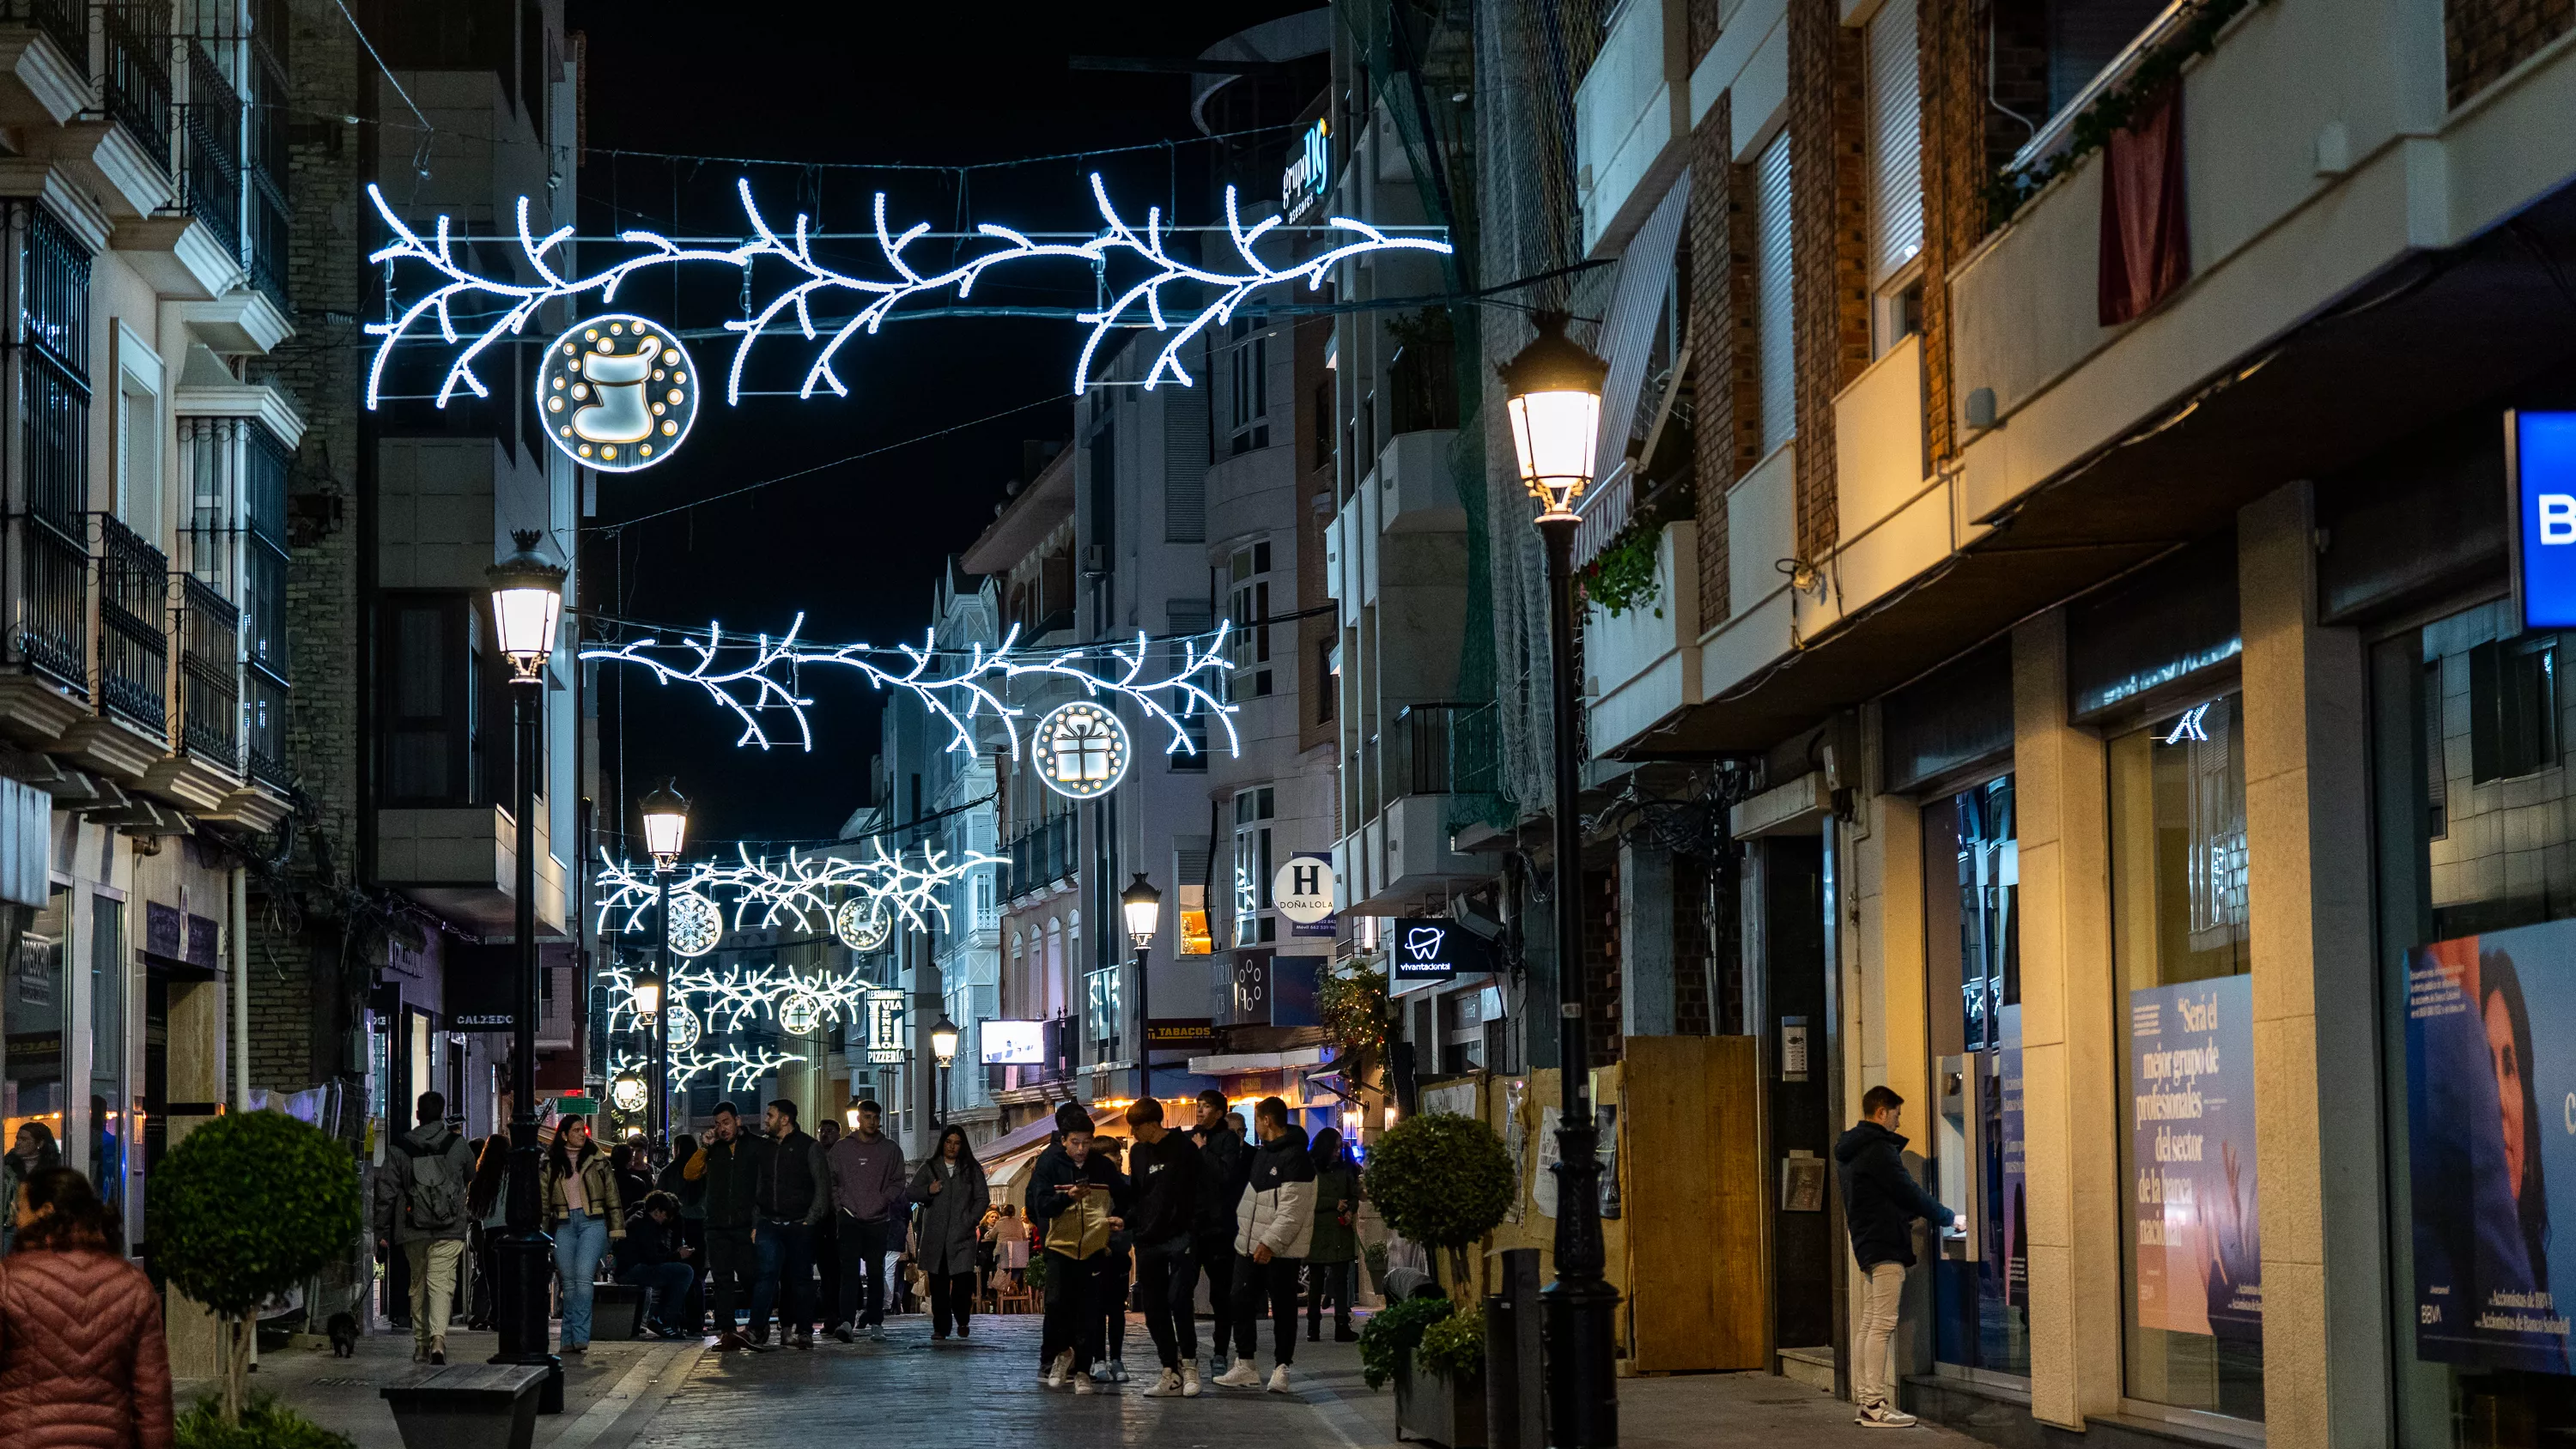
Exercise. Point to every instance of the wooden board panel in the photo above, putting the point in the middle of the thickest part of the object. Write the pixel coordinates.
(1691, 1225)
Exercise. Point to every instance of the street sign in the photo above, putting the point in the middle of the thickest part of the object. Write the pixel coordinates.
(1433, 950)
(1251, 988)
(1306, 894)
(885, 1027)
(1181, 1034)
(2540, 461)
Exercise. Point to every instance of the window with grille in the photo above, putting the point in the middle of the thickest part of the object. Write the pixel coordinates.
(52, 344)
(1247, 386)
(1248, 605)
(1775, 349)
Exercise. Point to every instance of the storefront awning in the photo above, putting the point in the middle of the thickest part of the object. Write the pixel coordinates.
(1237, 1063)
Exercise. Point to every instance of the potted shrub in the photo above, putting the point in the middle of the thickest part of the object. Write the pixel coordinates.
(246, 1207)
(1443, 1181)
(1388, 1339)
(1441, 1397)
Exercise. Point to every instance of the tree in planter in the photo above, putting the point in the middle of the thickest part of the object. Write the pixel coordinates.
(1392, 1333)
(246, 1207)
(1453, 1348)
(1443, 1181)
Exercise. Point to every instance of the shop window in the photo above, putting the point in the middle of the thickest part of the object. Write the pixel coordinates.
(2191, 1246)
(1972, 898)
(2513, 707)
(2477, 960)
(32, 1007)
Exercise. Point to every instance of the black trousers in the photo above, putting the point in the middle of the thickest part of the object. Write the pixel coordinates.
(1215, 1256)
(828, 1271)
(693, 1232)
(732, 1266)
(862, 1286)
(1333, 1281)
(1072, 1317)
(952, 1301)
(1167, 1277)
(1274, 1282)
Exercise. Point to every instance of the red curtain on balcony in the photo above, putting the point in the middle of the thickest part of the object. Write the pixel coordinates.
(2146, 243)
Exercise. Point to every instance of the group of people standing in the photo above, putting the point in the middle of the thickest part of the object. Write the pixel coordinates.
(1201, 1201)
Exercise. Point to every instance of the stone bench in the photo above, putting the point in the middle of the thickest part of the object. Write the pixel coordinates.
(467, 1406)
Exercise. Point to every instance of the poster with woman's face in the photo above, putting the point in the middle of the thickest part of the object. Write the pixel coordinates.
(2491, 1125)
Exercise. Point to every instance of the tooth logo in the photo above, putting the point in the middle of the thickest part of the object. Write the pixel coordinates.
(617, 393)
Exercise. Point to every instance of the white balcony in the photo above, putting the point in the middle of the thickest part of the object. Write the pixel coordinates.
(1644, 662)
(463, 862)
(1761, 533)
(1401, 862)
(1632, 121)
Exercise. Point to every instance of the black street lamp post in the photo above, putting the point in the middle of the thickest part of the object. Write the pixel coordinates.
(943, 1048)
(1142, 904)
(527, 605)
(666, 830)
(1552, 394)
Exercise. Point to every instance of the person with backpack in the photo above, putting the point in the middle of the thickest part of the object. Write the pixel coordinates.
(420, 1209)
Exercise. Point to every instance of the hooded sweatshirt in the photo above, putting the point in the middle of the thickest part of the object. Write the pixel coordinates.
(1223, 1163)
(1278, 1203)
(867, 1176)
(1163, 1201)
(1881, 1200)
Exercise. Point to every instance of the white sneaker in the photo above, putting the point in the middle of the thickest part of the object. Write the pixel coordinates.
(1190, 1379)
(1242, 1376)
(1279, 1379)
(1879, 1416)
(1168, 1386)
(1082, 1384)
(1102, 1373)
(1056, 1371)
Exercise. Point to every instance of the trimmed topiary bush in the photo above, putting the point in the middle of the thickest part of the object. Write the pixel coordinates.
(1453, 1348)
(247, 1207)
(1441, 1180)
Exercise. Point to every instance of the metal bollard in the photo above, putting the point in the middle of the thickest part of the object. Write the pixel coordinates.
(1515, 1371)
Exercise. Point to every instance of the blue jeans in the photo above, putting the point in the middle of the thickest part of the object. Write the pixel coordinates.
(667, 1286)
(580, 1240)
(786, 1277)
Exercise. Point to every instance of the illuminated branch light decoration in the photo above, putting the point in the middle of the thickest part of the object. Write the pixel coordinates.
(461, 288)
(955, 695)
(798, 892)
(740, 1068)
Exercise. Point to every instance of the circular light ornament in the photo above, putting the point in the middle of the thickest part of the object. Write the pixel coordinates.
(680, 1027)
(1082, 750)
(626, 1094)
(696, 924)
(863, 922)
(799, 1014)
(617, 392)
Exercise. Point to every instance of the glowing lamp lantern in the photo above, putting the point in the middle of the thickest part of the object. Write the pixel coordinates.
(1552, 397)
(527, 605)
(648, 994)
(852, 1116)
(666, 825)
(1143, 905)
(943, 1040)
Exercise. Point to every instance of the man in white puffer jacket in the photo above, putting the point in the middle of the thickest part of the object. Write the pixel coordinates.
(1274, 1222)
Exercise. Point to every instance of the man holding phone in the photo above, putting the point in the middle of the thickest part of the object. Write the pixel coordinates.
(1075, 1197)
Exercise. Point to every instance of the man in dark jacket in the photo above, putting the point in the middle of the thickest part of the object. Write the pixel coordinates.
(1162, 1210)
(420, 1209)
(869, 1190)
(727, 1168)
(791, 1195)
(1880, 1203)
(652, 1257)
(1224, 1164)
(1070, 1187)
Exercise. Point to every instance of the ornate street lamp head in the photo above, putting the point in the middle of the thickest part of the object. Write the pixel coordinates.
(1552, 396)
(1143, 905)
(943, 1040)
(527, 602)
(666, 824)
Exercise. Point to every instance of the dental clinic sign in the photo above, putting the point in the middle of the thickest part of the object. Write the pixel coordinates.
(2540, 459)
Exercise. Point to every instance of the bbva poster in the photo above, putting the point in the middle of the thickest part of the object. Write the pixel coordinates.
(2491, 1124)
(2194, 1198)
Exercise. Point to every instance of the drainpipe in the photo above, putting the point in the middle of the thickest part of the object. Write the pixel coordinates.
(241, 988)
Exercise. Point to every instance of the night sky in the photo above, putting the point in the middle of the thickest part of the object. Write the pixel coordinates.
(857, 547)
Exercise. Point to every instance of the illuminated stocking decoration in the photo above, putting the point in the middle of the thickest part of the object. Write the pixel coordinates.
(617, 393)
(680, 1027)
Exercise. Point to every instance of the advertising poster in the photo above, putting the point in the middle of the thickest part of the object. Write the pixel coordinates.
(2016, 1211)
(2491, 1124)
(2194, 1199)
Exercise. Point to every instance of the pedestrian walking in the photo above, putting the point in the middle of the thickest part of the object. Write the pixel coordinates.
(1332, 1259)
(1881, 1200)
(421, 1212)
(1275, 1225)
(84, 1360)
(585, 1213)
(727, 1171)
(1224, 1164)
(1109, 1284)
(791, 1196)
(691, 1195)
(1074, 1201)
(1162, 1208)
(488, 1199)
(31, 1153)
(834, 1307)
(870, 1200)
(953, 1195)
(653, 1257)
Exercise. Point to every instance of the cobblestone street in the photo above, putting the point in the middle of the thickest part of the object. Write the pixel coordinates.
(984, 1394)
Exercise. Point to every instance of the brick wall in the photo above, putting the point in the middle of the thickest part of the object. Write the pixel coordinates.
(2483, 39)
(1601, 1000)
(1726, 422)
(1829, 240)
(1955, 131)
(1703, 29)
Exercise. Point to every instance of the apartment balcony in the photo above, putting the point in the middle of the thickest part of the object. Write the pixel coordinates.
(210, 150)
(44, 61)
(463, 862)
(1632, 121)
(129, 670)
(1399, 521)
(1400, 859)
(1040, 857)
(1643, 664)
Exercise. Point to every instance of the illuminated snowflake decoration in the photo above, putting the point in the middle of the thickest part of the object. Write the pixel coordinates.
(1082, 750)
(696, 925)
(759, 673)
(502, 305)
(617, 392)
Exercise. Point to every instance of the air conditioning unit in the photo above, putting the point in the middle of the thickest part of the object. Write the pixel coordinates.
(1095, 559)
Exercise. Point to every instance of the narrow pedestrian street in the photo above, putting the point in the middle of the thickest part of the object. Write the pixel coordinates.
(984, 1394)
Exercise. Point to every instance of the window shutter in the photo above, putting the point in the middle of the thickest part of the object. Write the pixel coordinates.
(1895, 140)
(1771, 294)
(1185, 455)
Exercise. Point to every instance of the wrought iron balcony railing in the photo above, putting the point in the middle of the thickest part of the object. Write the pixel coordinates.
(136, 88)
(264, 725)
(210, 150)
(53, 633)
(65, 21)
(134, 651)
(210, 715)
